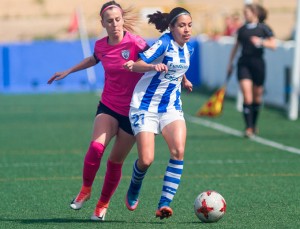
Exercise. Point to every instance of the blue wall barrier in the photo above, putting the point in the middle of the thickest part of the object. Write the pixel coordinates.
(26, 67)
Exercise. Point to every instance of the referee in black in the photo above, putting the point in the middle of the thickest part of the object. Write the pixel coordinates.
(252, 37)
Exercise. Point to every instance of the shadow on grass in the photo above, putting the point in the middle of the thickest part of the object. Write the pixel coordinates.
(71, 220)
(54, 220)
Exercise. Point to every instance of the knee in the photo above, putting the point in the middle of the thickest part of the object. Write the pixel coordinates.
(95, 151)
(178, 153)
(144, 163)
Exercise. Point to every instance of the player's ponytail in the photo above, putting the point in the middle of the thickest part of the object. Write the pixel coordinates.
(262, 13)
(160, 20)
(163, 20)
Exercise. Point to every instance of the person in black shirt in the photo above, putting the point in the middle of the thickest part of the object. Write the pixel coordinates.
(252, 37)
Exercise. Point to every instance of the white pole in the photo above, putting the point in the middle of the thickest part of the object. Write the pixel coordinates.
(85, 47)
(294, 96)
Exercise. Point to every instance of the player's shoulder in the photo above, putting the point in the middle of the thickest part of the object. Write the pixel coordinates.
(162, 42)
(166, 37)
(190, 47)
(243, 27)
(266, 28)
(134, 38)
(263, 25)
(101, 42)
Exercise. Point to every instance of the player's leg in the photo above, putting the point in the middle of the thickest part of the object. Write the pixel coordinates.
(145, 145)
(245, 79)
(174, 134)
(256, 105)
(144, 125)
(105, 127)
(258, 89)
(121, 148)
(246, 86)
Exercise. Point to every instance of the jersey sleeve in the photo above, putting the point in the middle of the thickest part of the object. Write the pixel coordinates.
(155, 51)
(96, 51)
(267, 31)
(96, 58)
(141, 44)
(190, 48)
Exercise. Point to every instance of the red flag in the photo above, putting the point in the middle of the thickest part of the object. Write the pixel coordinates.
(214, 106)
(74, 25)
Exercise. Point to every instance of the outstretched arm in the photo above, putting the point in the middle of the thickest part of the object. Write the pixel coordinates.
(86, 63)
(142, 66)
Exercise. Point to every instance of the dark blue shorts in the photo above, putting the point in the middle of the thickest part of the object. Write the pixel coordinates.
(124, 122)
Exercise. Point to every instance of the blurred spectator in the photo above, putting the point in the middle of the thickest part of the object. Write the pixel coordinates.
(232, 23)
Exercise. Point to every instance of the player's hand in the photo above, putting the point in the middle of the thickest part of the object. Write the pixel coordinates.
(187, 85)
(58, 76)
(160, 67)
(257, 41)
(128, 65)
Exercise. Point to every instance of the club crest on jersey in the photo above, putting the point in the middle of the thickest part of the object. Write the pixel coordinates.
(125, 54)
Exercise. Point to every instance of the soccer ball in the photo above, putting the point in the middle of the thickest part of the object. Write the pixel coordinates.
(209, 206)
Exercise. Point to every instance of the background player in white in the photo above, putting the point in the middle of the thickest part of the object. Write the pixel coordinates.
(112, 113)
(156, 104)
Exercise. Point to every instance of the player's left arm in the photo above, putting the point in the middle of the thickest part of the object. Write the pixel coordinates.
(267, 41)
(187, 84)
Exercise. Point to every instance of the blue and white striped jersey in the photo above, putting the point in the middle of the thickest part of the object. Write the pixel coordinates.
(160, 91)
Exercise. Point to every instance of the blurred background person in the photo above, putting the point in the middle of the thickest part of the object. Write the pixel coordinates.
(253, 37)
(232, 23)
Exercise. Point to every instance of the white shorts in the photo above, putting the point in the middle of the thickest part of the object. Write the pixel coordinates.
(142, 120)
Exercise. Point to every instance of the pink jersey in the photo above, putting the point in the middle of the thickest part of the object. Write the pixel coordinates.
(119, 83)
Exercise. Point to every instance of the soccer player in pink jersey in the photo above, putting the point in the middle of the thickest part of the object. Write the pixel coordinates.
(111, 118)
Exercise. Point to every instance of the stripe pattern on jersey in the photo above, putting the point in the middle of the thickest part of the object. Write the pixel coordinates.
(160, 91)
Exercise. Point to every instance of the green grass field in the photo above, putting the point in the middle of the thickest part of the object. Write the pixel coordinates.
(43, 140)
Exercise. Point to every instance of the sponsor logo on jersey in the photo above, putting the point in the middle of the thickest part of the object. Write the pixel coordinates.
(173, 70)
(178, 66)
(125, 54)
(172, 76)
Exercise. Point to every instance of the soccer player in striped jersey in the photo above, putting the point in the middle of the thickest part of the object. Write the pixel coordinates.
(156, 105)
(111, 118)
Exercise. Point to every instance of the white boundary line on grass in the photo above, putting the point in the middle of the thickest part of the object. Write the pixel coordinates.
(237, 133)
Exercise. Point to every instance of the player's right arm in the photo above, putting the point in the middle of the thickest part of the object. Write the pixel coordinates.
(141, 66)
(85, 63)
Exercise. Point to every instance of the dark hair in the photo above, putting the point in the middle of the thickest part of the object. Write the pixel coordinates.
(262, 13)
(163, 20)
(129, 21)
(259, 11)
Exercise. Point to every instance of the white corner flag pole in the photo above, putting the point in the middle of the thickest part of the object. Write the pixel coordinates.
(85, 47)
(294, 96)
